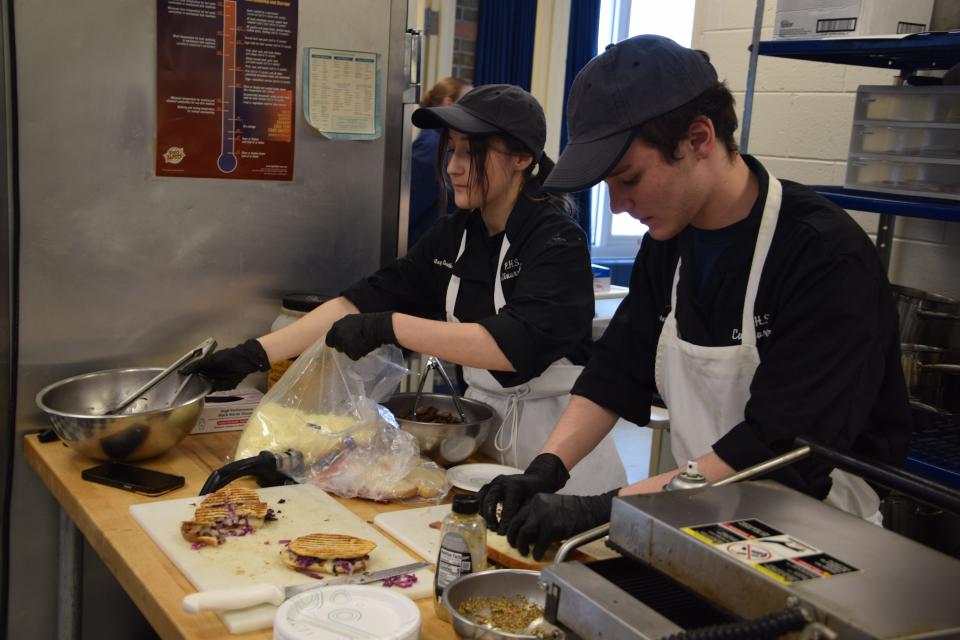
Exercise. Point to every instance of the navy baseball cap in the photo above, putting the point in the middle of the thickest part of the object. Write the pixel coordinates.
(628, 84)
(492, 109)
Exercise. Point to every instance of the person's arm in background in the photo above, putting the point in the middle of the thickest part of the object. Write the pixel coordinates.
(466, 343)
(293, 339)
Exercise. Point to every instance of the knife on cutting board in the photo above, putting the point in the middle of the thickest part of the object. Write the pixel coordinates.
(266, 593)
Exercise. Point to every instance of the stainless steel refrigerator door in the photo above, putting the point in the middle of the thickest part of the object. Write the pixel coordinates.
(119, 267)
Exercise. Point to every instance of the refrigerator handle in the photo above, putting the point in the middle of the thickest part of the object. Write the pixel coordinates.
(414, 69)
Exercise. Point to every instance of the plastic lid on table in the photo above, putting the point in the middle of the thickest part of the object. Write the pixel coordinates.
(349, 611)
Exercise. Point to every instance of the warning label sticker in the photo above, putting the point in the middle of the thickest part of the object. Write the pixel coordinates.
(768, 550)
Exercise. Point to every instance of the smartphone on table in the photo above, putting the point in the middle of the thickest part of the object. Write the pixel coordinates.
(137, 479)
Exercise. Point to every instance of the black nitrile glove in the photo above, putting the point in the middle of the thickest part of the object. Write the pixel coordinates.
(550, 517)
(545, 474)
(360, 333)
(225, 369)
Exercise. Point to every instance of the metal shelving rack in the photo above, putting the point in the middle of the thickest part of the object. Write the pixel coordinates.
(924, 51)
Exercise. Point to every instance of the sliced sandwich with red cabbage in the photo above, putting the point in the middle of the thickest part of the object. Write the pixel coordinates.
(229, 512)
(328, 553)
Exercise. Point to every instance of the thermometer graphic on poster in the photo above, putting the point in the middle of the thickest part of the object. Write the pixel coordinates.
(227, 161)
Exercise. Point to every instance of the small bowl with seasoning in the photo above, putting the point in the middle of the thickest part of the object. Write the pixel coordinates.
(499, 604)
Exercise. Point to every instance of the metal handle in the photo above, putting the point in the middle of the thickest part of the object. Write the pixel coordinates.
(413, 58)
(888, 476)
(579, 540)
(765, 466)
(201, 349)
(434, 363)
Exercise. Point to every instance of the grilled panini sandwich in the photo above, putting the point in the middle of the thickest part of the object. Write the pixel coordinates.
(229, 512)
(328, 553)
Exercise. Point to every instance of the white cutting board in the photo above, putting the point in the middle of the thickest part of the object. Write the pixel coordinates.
(256, 558)
(412, 528)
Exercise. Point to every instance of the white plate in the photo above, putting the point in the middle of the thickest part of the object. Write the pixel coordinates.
(473, 476)
(349, 611)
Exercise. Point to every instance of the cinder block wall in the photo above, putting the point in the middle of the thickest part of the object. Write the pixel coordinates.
(802, 115)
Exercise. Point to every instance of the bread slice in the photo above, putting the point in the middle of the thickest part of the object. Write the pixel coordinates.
(328, 553)
(230, 512)
(233, 502)
(500, 552)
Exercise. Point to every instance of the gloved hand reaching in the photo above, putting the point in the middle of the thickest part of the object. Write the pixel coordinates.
(545, 474)
(225, 369)
(360, 333)
(550, 517)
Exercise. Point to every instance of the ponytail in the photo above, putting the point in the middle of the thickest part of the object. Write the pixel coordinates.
(535, 182)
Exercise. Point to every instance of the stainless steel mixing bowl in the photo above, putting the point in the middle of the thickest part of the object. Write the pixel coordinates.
(501, 583)
(446, 444)
(145, 429)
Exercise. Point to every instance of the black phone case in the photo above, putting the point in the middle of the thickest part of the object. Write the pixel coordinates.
(165, 482)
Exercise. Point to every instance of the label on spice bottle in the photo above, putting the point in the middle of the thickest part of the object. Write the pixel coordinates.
(453, 561)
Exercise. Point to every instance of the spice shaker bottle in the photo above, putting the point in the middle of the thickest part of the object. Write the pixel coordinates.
(463, 547)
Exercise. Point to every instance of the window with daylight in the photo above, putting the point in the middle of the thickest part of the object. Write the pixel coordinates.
(618, 236)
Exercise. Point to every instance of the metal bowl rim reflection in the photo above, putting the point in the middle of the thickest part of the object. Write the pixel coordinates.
(93, 374)
(475, 405)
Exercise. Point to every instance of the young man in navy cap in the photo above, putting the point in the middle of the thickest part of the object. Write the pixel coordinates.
(757, 309)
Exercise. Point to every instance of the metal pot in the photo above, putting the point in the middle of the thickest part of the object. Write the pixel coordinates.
(927, 318)
(940, 386)
(929, 373)
(908, 303)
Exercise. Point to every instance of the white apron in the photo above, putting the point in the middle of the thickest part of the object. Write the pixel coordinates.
(707, 388)
(528, 412)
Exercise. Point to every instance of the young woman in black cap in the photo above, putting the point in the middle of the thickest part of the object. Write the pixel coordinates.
(502, 287)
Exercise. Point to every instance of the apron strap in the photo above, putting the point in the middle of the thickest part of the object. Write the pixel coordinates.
(499, 302)
(768, 224)
(453, 287)
(510, 426)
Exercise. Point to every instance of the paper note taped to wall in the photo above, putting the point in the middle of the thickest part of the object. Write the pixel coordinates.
(342, 93)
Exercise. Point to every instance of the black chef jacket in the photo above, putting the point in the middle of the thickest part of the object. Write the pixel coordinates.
(546, 278)
(826, 334)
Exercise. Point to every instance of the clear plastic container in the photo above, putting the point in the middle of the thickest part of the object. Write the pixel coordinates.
(925, 141)
(293, 307)
(913, 176)
(908, 104)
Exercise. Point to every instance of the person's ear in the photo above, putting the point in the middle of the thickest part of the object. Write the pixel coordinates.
(701, 136)
(521, 161)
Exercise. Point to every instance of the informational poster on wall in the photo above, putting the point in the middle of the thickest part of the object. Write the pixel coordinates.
(226, 88)
(341, 93)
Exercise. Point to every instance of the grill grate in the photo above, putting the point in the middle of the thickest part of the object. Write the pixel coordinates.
(667, 597)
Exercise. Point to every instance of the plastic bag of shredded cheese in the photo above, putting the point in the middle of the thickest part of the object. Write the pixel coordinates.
(326, 407)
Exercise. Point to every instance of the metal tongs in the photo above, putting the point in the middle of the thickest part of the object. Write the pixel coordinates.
(434, 363)
(199, 351)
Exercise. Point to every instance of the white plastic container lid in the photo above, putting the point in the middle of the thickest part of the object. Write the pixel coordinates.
(347, 612)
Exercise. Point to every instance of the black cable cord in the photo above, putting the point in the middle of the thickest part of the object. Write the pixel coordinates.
(768, 627)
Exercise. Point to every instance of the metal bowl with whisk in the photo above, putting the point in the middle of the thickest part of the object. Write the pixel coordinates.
(151, 425)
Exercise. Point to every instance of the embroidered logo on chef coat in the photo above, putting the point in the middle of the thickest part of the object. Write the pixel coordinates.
(442, 263)
(761, 322)
(511, 269)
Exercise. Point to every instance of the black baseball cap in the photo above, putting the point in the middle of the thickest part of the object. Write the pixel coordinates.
(492, 109)
(628, 84)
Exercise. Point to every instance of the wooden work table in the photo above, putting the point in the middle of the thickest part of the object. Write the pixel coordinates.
(157, 587)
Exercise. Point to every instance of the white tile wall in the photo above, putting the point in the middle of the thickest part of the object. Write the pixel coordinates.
(801, 131)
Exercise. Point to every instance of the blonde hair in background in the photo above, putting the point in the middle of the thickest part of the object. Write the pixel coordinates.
(449, 87)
